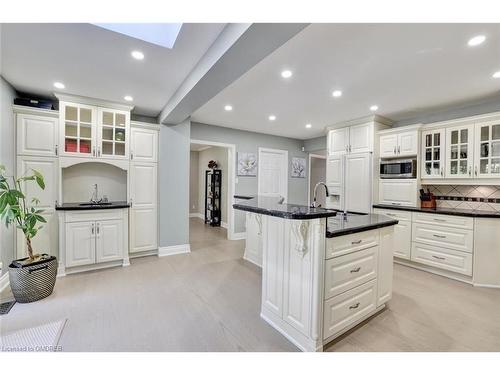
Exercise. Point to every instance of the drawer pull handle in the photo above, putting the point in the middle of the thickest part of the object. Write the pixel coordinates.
(440, 258)
(355, 306)
(356, 242)
(441, 220)
(356, 270)
(439, 236)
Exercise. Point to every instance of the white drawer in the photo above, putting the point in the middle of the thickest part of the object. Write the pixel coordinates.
(451, 260)
(347, 308)
(396, 214)
(438, 235)
(462, 222)
(348, 271)
(94, 215)
(349, 243)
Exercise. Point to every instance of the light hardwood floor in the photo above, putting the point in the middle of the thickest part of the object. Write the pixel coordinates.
(209, 300)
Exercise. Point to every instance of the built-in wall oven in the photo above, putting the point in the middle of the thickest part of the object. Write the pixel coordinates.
(398, 168)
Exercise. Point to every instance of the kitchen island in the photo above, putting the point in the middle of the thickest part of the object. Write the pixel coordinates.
(322, 273)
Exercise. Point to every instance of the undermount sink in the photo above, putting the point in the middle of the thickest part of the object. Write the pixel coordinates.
(95, 204)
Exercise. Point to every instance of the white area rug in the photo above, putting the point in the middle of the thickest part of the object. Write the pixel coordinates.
(44, 338)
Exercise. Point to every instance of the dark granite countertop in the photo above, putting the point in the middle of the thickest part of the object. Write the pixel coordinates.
(354, 223)
(443, 211)
(86, 206)
(271, 206)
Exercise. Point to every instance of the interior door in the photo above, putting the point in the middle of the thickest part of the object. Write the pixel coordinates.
(109, 240)
(273, 173)
(338, 141)
(358, 186)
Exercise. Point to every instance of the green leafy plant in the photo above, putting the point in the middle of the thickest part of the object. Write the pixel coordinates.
(15, 209)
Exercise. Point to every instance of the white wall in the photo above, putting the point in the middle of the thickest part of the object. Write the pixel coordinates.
(78, 182)
(218, 154)
(318, 173)
(7, 158)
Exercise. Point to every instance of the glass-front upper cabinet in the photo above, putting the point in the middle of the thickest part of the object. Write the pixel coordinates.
(487, 150)
(114, 132)
(77, 135)
(459, 151)
(432, 153)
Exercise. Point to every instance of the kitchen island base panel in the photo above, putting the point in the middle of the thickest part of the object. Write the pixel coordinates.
(436, 271)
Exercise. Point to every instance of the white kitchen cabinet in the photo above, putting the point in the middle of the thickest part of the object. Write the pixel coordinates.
(143, 210)
(109, 240)
(388, 145)
(335, 171)
(338, 141)
(253, 243)
(459, 151)
(443, 258)
(402, 231)
(80, 243)
(441, 236)
(77, 129)
(351, 139)
(144, 145)
(272, 264)
(398, 192)
(385, 265)
(433, 153)
(487, 149)
(358, 182)
(37, 135)
(113, 132)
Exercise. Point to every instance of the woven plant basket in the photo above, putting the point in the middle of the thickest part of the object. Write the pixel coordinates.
(32, 282)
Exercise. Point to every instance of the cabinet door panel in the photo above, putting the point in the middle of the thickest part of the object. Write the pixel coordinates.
(408, 143)
(113, 133)
(109, 240)
(80, 244)
(143, 229)
(253, 243)
(338, 141)
(77, 130)
(398, 192)
(144, 145)
(385, 265)
(487, 150)
(36, 135)
(388, 145)
(335, 171)
(272, 264)
(143, 184)
(358, 188)
(460, 151)
(49, 169)
(433, 154)
(360, 138)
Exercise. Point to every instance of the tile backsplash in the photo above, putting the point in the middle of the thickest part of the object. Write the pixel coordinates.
(473, 197)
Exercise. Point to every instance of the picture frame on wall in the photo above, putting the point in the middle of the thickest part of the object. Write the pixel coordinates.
(298, 168)
(247, 164)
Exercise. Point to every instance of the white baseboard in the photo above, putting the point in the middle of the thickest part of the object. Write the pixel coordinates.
(223, 224)
(238, 236)
(172, 250)
(4, 281)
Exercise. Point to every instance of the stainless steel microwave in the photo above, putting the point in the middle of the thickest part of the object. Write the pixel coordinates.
(398, 168)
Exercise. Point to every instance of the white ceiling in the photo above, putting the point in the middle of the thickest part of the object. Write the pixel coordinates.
(405, 69)
(95, 62)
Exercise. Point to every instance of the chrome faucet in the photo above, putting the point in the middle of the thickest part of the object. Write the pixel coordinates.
(95, 196)
(314, 203)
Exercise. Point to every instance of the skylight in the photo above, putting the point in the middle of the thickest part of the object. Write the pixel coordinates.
(161, 34)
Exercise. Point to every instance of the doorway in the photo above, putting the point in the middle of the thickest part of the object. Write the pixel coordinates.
(224, 154)
(317, 173)
(272, 173)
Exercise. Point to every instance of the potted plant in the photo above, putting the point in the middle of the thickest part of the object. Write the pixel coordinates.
(34, 277)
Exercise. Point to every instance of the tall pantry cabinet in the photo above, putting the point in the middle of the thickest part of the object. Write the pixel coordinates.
(143, 188)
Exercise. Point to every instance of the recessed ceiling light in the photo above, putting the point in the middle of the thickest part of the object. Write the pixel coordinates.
(128, 98)
(272, 118)
(286, 73)
(228, 107)
(59, 85)
(337, 93)
(477, 40)
(138, 55)
(373, 107)
(496, 74)
(308, 126)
